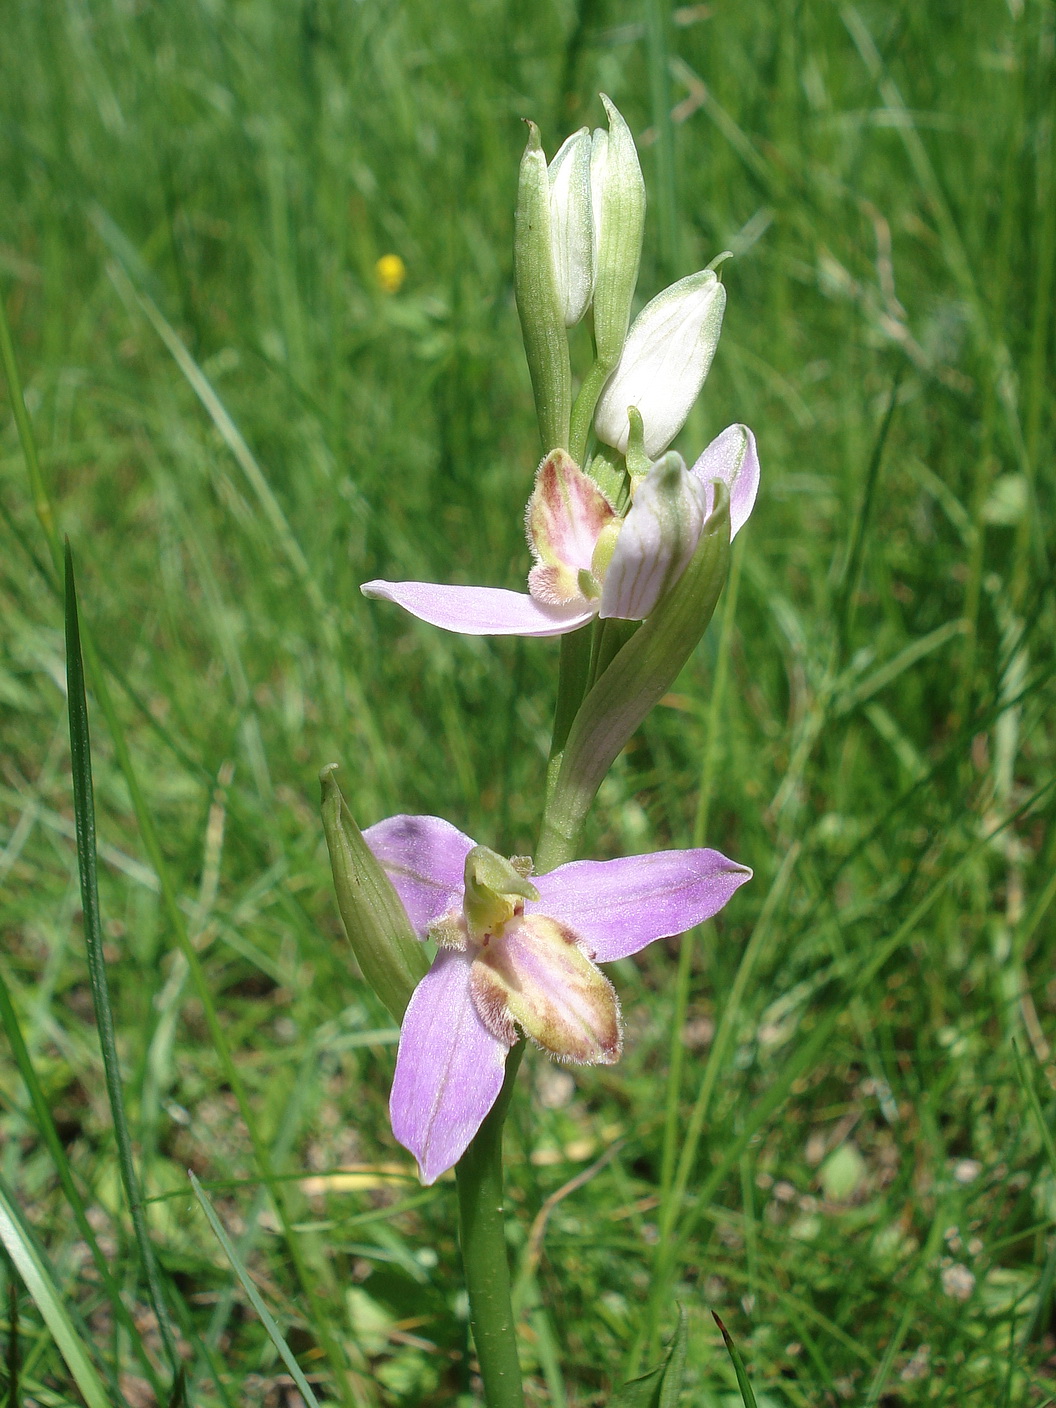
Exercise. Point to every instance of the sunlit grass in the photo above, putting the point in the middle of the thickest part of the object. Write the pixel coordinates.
(238, 422)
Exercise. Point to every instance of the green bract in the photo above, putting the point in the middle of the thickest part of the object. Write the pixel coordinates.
(538, 300)
(638, 677)
(618, 194)
(391, 958)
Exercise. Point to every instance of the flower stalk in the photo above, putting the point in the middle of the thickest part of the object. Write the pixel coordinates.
(484, 1258)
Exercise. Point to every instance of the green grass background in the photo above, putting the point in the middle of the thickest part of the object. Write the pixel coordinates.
(836, 1105)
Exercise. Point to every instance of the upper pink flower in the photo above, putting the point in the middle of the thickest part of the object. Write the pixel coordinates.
(519, 953)
(588, 561)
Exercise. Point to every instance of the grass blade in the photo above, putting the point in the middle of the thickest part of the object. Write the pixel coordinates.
(84, 818)
(151, 840)
(41, 501)
(747, 1396)
(50, 1135)
(1048, 1144)
(39, 1282)
(274, 1333)
(846, 596)
(178, 1397)
(12, 1343)
(657, 18)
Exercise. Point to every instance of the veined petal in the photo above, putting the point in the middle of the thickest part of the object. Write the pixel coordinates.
(659, 536)
(732, 457)
(664, 362)
(617, 907)
(566, 514)
(572, 225)
(449, 1068)
(480, 611)
(424, 857)
(535, 974)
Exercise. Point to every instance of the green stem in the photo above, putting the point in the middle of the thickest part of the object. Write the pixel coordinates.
(573, 681)
(479, 1178)
(583, 410)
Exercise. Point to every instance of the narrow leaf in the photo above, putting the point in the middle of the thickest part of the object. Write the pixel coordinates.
(1030, 1091)
(40, 1283)
(178, 1397)
(747, 1396)
(84, 820)
(12, 1344)
(50, 1135)
(274, 1333)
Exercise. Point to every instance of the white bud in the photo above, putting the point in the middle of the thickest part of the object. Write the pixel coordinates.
(657, 540)
(664, 362)
(572, 226)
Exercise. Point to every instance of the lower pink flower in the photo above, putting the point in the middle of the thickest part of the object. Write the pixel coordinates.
(519, 953)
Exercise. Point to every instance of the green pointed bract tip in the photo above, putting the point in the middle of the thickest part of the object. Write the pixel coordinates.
(493, 887)
(538, 299)
(638, 462)
(390, 956)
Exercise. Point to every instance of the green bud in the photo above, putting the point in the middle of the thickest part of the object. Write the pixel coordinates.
(618, 194)
(538, 300)
(637, 678)
(493, 886)
(390, 956)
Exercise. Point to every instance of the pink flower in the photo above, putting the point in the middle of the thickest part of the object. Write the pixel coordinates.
(588, 561)
(519, 953)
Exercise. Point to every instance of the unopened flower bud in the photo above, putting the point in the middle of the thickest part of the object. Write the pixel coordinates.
(391, 959)
(665, 359)
(618, 196)
(538, 302)
(656, 542)
(572, 226)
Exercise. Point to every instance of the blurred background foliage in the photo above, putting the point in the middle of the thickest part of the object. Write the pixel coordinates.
(835, 1110)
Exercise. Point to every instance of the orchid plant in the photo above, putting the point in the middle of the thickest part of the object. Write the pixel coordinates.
(629, 550)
